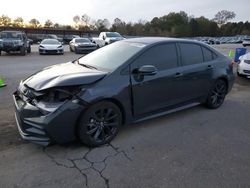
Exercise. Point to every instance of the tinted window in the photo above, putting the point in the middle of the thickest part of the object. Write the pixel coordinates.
(82, 40)
(207, 54)
(50, 41)
(162, 57)
(191, 54)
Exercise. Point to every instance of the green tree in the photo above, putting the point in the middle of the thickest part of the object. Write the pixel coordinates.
(48, 24)
(34, 23)
(18, 22)
(5, 20)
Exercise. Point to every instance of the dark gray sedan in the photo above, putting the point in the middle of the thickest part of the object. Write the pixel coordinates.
(127, 81)
(82, 45)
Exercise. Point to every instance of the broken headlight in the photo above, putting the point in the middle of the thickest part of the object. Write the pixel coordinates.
(52, 99)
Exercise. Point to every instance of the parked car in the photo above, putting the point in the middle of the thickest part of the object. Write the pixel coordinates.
(14, 41)
(246, 42)
(82, 45)
(68, 38)
(108, 38)
(243, 68)
(127, 81)
(50, 46)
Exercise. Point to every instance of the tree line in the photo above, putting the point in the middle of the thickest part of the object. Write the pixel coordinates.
(174, 24)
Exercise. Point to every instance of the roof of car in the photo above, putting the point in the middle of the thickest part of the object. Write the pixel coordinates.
(151, 40)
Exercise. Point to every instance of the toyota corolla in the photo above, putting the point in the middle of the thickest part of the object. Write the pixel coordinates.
(128, 81)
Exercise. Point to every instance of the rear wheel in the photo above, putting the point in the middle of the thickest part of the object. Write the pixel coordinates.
(217, 94)
(0, 52)
(99, 124)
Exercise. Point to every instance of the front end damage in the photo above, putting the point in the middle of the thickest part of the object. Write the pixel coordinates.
(48, 116)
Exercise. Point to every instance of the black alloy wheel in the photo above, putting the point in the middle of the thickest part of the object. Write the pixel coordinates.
(217, 94)
(99, 124)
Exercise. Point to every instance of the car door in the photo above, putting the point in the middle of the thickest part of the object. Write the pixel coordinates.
(154, 92)
(195, 75)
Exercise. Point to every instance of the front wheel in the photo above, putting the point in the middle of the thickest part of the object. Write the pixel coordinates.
(99, 124)
(217, 94)
(23, 51)
(29, 50)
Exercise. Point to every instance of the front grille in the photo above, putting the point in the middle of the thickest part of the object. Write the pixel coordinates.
(246, 71)
(51, 51)
(8, 44)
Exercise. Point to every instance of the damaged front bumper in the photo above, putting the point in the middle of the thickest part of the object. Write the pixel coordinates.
(56, 127)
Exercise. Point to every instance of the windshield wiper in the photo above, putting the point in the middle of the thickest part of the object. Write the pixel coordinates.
(88, 66)
(84, 65)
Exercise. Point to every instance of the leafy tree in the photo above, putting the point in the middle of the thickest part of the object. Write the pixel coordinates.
(18, 22)
(85, 19)
(57, 25)
(48, 23)
(223, 16)
(34, 23)
(5, 20)
(102, 25)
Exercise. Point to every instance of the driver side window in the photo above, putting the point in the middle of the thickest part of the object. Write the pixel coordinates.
(162, 56)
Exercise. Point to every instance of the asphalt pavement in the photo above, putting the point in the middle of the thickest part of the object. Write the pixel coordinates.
(197, 147)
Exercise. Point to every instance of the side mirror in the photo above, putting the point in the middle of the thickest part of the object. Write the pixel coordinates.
(147, 70)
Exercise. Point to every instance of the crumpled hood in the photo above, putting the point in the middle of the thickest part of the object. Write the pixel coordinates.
(66, 74)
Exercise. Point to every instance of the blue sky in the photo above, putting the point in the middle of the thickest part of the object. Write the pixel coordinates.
(129, 10)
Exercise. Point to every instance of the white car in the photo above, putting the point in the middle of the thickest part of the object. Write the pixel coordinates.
(244, 65)
(246, 42)
(50, 46)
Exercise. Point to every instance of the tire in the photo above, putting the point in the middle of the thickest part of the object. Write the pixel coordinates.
(76, 51)
(70, 49)
(0, 52)
(29, 50)
(240, 75)
(99, 124)
(23, 51)
(217, 94)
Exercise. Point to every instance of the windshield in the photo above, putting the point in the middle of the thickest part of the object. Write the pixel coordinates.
(10, 35)
(82, 40)
(113, 35)
(112, 56)
(49, 41)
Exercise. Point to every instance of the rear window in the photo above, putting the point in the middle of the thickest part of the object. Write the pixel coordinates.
(191, 53)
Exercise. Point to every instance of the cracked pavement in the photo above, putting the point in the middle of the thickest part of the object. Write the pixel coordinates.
(90, 163)
(192, 148)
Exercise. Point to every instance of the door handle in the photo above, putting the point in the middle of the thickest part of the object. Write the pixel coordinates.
(210, 67)
(178, 75)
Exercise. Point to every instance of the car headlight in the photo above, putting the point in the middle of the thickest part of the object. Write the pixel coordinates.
(59, 46)
(41, 46)
(76, 44)
(247, 61)
(19, 42)
(52, 99)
